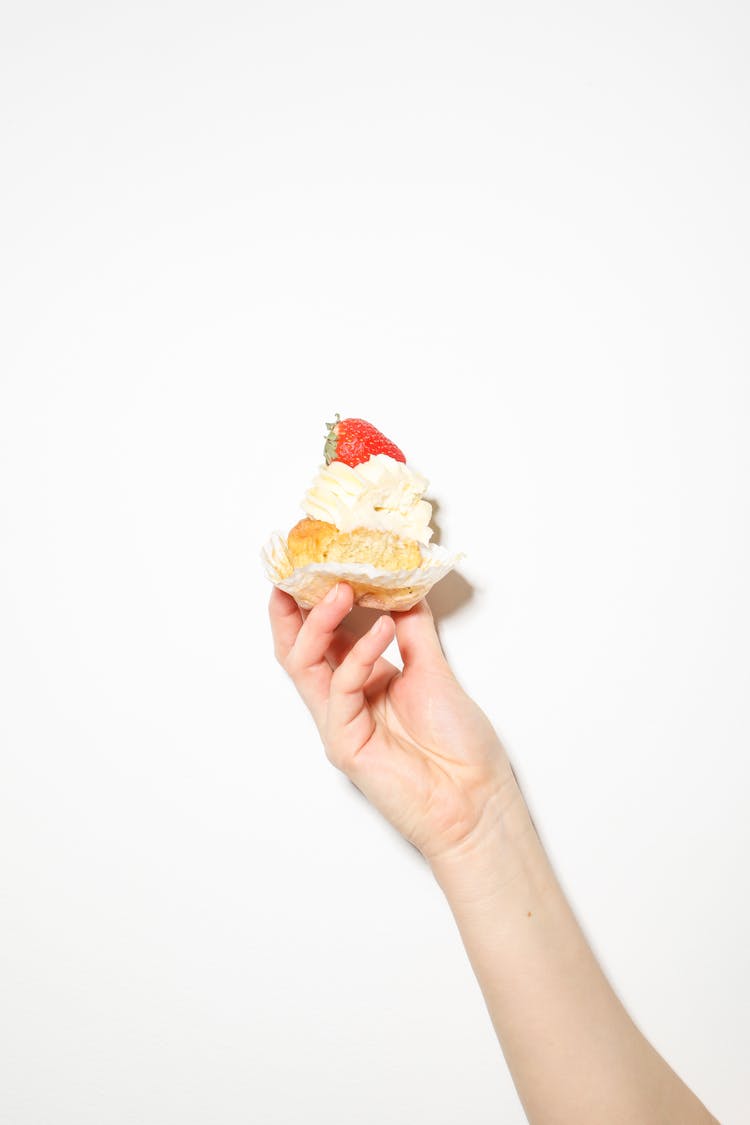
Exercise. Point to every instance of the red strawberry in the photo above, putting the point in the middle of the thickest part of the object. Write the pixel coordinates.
(353, 441)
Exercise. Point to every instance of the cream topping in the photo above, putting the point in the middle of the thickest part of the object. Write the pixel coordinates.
(380, 494)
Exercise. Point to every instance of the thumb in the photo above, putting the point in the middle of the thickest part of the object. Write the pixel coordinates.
(417, 637)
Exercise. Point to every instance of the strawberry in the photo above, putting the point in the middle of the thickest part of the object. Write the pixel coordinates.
(353, 441)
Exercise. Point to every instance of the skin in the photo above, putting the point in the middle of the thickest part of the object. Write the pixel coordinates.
(428, 758)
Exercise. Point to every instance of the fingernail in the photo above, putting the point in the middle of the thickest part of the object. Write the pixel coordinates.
(332, 594)
(378, 624)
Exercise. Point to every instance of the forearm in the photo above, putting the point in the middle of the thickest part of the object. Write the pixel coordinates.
(574, 1053)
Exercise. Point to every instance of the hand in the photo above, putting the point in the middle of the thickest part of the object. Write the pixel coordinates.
(412, 740)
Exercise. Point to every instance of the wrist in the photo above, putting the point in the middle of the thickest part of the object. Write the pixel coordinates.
(502, 859)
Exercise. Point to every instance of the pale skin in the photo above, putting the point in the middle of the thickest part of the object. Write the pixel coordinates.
(428, 758)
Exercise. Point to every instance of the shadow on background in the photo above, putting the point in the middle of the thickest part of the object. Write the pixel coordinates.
(449, 595)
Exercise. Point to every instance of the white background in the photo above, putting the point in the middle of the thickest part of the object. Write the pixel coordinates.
(516, 237)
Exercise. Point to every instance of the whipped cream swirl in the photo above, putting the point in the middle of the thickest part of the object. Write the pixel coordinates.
(380, 494)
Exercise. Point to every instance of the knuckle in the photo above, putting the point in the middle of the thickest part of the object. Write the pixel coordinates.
(334, 746)
(337, 756)
(331, 755)
(332, 750)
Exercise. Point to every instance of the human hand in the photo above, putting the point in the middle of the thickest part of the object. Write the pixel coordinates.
(411, 740)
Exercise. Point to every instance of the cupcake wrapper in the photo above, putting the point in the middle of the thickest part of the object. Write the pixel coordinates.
(374, 588)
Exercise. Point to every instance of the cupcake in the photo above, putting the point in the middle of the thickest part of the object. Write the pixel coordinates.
(366, 522)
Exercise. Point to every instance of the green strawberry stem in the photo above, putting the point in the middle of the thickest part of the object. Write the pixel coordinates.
(329, 449)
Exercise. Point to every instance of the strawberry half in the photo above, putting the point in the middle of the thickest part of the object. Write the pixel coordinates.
(352, 440)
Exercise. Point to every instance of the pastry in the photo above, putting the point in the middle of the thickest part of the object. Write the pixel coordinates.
(366, 522)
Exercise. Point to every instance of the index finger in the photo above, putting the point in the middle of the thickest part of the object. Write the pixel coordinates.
(286, 622)
(303, 645)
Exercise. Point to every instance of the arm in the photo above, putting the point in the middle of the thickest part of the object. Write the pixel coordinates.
(573, 1051)
(425, 755)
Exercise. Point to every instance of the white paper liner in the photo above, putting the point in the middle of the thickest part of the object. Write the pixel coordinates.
(374, 588)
